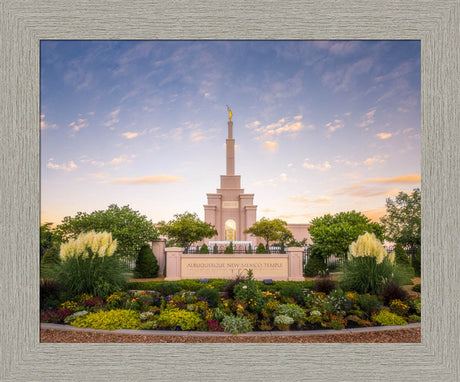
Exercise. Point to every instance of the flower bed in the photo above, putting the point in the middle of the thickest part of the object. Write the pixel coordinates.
(283, 306)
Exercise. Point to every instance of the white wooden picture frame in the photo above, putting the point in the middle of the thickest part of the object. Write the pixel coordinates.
(23, 23)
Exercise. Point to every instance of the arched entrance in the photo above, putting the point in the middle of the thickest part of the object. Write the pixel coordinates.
(230, 230)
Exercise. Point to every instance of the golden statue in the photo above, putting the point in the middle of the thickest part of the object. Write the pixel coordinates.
(229, 113)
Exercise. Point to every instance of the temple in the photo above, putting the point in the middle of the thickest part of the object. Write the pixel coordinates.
(230, 210)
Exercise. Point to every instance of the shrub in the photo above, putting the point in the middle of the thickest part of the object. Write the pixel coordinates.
(109, 320)
(385, 318)
(368, 303)
(337, 303)
(417, 262)
(417, 288)
(315, 263)
(209, 326)
(74, 316)
(294, 291)
(190, 285)
(236, 325)
(392, 292)
(249, 293)
(415, 305)
(367, 245)
(401, 257)
(292, 310)
(178, 319)
(210, 295)
(399, 308)
(146, 263)
(324, 285)
(366, 275)
(51, 293)
(337, 322)
(89, 265)
(218, 284)
(230, 286)
(168, 288)
(215, 249)
(49, 263)
(249, 250)
(414, 317)
(116, 300)
(283, 322)
(229, 249)
(204, 249)
(55, 316)
(261, 248)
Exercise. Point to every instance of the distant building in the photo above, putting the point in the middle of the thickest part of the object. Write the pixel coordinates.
(231, 211)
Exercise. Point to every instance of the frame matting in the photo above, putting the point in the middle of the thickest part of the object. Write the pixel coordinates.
(23, 23)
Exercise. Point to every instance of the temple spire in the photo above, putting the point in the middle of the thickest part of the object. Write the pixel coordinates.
(230, 144)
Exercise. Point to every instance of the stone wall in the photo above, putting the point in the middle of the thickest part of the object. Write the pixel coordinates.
(287, 266)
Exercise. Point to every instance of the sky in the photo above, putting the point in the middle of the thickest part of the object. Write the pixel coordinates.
(321, 127)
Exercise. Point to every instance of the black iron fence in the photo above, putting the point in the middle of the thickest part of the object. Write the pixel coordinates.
(237, 250)
(334, 263)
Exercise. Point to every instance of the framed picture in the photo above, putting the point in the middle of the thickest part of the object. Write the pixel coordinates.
(25, 24)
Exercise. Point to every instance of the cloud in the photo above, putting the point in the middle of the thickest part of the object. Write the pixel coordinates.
(92, 162)
(333, 126)
(291, 128)
(338, 48)
(162, 178)
(44, 125)
(319, 166)
(122, 159)
(304, 199)
(365, 192)
(368, 118)
(112, 118)
(69, 166)
(375, 214)
(404, 179)
(98, 175)
(384, 135)
(341, 78)
(271, 146)
(79, 124)
(130, 135)
(375, 159)
(352, 175)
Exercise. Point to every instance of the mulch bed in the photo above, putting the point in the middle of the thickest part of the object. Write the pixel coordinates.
(391, 336)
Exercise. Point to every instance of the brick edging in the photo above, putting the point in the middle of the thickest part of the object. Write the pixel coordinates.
(140, 332)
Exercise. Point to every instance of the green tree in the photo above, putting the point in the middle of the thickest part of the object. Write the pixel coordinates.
(333, 234)
(49, 263)
(47, 238)
(401, 257)
(270, 230)
(146, 263)
(315, 263)
(417, 263)
(131, 229)
(186, 229)
(403, 218)
(261, 249)
(204, 249)
(229, 249)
